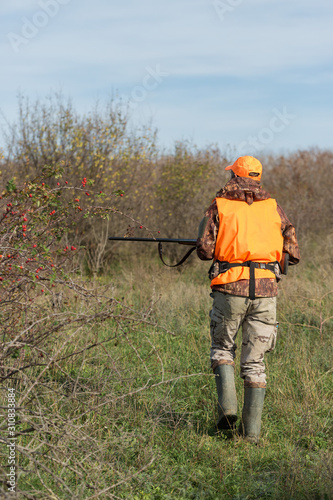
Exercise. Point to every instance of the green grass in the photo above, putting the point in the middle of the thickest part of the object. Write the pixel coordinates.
(137, 414)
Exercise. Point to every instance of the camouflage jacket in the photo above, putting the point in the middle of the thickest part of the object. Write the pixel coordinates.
(248, 190)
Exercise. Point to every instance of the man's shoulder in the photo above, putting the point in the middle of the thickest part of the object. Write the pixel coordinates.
(239, 189)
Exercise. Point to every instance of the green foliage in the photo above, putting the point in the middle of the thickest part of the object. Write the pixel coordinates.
(167, 191)
(11, 186)
(136, 405)
(185, 187)
(302, 182)
(115, 396)
(45, 305)
(98, 146)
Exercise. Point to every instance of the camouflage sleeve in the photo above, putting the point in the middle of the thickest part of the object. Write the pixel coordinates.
(290, 244)
(207, 235)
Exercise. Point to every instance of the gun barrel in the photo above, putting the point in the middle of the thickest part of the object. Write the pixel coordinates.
(156, 240)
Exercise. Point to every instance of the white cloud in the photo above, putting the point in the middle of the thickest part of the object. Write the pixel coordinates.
(91, 48)
(187, 37)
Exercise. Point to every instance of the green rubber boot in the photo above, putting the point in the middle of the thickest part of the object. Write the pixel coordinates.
(227, 399)
(251, 415)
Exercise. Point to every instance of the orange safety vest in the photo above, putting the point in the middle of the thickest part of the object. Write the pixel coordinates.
(247, 233)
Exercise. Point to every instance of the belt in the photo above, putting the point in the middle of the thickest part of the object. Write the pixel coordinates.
(219, 267)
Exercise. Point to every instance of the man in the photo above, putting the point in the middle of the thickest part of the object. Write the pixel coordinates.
(250, 239)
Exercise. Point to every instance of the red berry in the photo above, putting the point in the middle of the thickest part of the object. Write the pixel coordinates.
(58, 183)
(34, 246)
(121, 194)
(43, 183)
(30, 195)
(77, 200)
(42, 290)
(87, 194)
(66, 182)
(73, 248)
(141, 227)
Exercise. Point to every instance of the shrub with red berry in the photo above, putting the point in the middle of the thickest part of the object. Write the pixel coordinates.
(40, 262)
(51, 317)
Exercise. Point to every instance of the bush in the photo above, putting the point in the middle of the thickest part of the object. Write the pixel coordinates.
(52, 322)
(98, 146)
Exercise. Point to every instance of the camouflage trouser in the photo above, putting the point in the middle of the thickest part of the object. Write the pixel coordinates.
(258, 320)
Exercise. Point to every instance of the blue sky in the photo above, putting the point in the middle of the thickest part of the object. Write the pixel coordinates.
(253, 75)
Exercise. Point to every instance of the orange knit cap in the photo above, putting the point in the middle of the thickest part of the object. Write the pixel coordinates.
(245, 165)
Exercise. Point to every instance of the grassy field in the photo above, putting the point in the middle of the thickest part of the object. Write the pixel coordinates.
(115, 397)
(132, 414)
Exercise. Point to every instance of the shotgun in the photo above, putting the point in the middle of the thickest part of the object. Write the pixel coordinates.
(180, 241)
(283, 264)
